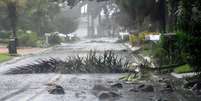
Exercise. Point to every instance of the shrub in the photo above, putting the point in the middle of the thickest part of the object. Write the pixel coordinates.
(160, 56)
(4, 35)
(41, 42)
(181, 41)
(168, 51)
(140, 38)
(133, 39)
(183, 69)
(54, 39)
(27, 38)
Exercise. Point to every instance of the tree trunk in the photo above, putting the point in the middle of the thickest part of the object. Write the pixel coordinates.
(12, 14)
(162, 15)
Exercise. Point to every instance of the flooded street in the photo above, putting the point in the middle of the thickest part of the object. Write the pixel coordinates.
(77, 87)
(31, 87)
(65, 50)
(100, 50)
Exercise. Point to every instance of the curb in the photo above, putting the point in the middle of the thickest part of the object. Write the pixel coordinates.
(180, 76)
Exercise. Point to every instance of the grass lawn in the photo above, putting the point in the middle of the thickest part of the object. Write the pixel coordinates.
(183, 69)
(4, 57)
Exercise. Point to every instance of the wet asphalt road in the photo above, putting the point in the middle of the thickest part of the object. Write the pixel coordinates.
(68, 49)
(32, 87)
(77, 87)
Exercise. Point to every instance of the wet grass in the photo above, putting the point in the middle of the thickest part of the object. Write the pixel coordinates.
(108, 62)
(183, 69)
(4, 57)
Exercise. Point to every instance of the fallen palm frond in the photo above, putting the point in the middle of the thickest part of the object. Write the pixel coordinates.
(108, 62)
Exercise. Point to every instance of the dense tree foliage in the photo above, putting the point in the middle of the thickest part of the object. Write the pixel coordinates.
(181, 16)
(13, 8)
(139, 10)
(189, 22)
(35, 15)
(39, 16)
(65, 24)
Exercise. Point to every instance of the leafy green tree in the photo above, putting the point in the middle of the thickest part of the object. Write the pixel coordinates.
(39, 16)
(172, 7)
(139, 10)
(27, 38)
(3, 17)
(13, 7)
(189, 22)
(66, 24)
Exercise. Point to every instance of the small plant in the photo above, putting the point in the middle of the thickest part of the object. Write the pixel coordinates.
(108, 62)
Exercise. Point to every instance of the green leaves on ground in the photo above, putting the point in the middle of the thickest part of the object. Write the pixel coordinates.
(129, 77)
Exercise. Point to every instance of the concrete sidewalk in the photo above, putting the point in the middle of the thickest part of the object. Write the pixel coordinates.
(183, 75)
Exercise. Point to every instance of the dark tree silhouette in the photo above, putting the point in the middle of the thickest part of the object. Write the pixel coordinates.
(13, 17)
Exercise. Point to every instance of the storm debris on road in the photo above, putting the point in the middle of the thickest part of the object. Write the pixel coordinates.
(108, 62)
(55, 89)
